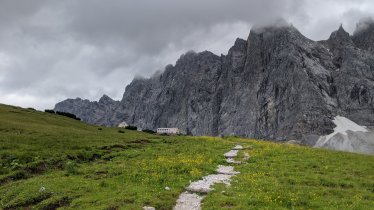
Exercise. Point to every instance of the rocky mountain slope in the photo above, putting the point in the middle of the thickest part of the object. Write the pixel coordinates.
(277, 84)
(91, 112)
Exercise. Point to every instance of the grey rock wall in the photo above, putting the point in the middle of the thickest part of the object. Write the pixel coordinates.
(98, 113)
(276, 85)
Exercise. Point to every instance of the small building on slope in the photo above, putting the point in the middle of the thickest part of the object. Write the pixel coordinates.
(123, 125)
(168, 131)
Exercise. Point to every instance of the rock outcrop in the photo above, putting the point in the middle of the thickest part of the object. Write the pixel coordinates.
(98, 113)
(277, 85)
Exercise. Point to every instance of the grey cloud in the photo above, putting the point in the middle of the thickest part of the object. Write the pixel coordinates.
(153, 24)
(363, 24)
(17, 10)
(51, 50)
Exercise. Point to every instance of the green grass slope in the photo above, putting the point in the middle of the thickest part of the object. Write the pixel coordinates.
(282, 176)
(49, 161)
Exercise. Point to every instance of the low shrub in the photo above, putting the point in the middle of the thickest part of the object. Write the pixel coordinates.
(50, 111)
(66, 114)
(131, 127)
(149, 131)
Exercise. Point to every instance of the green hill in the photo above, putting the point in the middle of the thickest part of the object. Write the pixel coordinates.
(49, 161)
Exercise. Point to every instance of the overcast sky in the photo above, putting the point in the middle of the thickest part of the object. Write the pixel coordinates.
(51, 50)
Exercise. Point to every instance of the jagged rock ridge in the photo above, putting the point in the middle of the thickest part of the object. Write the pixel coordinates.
(276, 85)
(98, 113)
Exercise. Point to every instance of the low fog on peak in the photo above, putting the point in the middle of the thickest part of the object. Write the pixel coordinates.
(53, 50)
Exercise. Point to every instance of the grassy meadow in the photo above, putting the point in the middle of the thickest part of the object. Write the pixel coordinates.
(283, 176)
(49, 161)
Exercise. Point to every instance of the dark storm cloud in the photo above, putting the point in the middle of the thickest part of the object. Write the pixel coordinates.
(156, 23)
(51, 50)
(13, 10)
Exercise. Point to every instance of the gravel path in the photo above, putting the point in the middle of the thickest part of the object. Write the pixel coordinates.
(226, 170)
(231, 154)
(204, 185)
(191, 200)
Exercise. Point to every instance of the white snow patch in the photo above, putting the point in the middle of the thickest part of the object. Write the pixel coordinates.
(342, 126)
(348, 136)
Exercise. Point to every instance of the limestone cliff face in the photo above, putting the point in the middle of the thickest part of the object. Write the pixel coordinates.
(277, 85)
(279, 97)
(184, 96)
(98, 113)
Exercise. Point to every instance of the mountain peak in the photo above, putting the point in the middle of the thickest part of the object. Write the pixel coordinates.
(340, 36)
(271, 26)
(192, 57)
(363, 36)
(363, 26)
(240, 44)
(276, 35)
(105, 99)
(289, 28)
(339, 39)
(341, 30)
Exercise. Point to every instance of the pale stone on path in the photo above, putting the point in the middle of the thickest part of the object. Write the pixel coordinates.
(232, 161)
(238, 147)
(226, 170)
(204, 185)
(231, 154)
(148, 208)
(189, 201)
